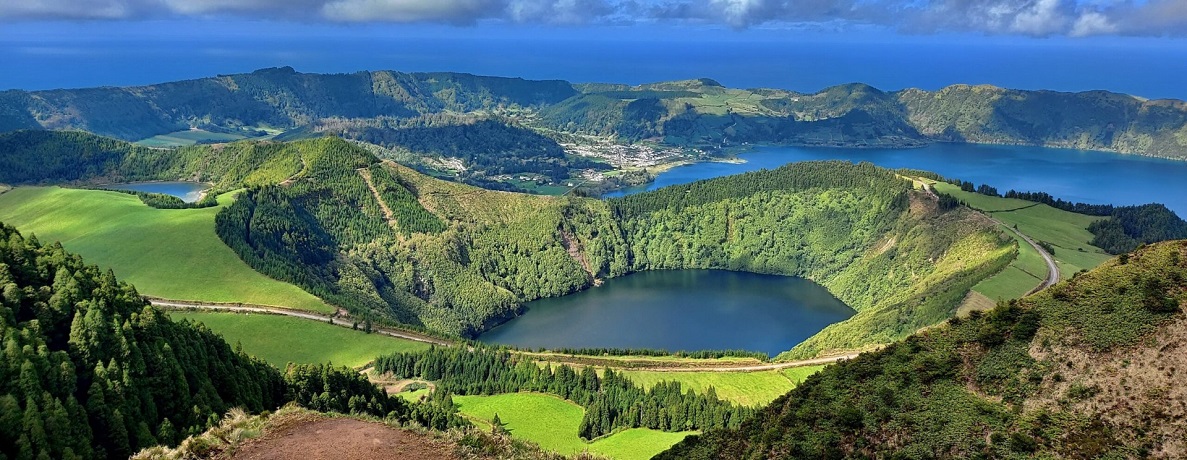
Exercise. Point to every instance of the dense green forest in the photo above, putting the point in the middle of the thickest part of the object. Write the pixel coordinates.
(1080, 370)
(611, 401)
(694, 112)
(91, 370)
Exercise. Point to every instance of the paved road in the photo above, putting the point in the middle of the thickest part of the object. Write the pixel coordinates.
(1052, 268)
(173, 304)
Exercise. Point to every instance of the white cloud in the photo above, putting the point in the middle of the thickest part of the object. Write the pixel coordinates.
(65, 9)
(1092, 23)
(1043, 17)
(1012, 17)
(451, 11)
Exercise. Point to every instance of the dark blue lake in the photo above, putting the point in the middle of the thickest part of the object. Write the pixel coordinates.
(679, 310)
(189, 192)
(1074, 175)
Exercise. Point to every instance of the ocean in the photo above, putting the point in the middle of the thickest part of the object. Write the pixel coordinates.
(1143, 68)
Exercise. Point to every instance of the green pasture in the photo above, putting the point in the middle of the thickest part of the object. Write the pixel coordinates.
(553, 422)
(188, 137)
(280, 340)
(168, 253)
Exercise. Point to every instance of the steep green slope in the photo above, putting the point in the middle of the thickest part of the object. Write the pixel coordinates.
(836, 223)
(1086, 369)
(168, 253)
(1096, 120)
(388, 243)
(278, 97)
(91, 371)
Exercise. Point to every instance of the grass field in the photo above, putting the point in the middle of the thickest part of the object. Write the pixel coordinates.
(414, 395)
(169, 253)
(187, 137)
(1066, 231)
(745, 388)
(552, 423)
(280, 340)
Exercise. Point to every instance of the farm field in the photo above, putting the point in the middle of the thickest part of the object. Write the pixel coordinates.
(187, 137)
(280, 340)
(553, 422)
(169, 253)
(1066, 231)
(745, 388)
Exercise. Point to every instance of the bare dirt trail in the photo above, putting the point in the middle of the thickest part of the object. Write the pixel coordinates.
(343, 439)
(387, 212)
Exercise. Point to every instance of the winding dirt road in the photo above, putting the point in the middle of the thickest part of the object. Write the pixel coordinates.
(179, 305)
(675, 367)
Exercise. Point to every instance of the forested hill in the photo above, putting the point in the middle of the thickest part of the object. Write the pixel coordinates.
(1090, 368)
(405, 110)
(91, 370)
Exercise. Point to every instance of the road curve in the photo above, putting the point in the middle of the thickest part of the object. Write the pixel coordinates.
(179, 305)
(1052, 268)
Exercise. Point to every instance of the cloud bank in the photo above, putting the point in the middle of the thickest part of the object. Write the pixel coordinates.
(1038, 18)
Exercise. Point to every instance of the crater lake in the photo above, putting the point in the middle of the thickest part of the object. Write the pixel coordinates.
(678, 310)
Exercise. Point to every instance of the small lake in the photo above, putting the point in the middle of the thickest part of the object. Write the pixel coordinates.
(679, 310)
(1073, 175)
(189, 192)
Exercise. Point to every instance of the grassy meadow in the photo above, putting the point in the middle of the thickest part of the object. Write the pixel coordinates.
(553, 423)
(187, 137)
(280, 340)
(745, 388)
(1066, 231)
(168, 253)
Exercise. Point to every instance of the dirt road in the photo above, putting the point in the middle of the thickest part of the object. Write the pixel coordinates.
(174, 304)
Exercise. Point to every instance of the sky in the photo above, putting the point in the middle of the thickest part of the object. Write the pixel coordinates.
(1136, 46)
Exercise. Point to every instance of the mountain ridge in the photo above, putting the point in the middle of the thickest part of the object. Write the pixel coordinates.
(698, 112)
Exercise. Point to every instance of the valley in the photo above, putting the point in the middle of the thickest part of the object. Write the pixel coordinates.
(332, 255)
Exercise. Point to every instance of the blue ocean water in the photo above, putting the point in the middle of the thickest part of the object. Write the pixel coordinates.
(1143, 68)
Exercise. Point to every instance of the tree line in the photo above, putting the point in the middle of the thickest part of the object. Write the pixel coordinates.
(611, 401)
(91, 370)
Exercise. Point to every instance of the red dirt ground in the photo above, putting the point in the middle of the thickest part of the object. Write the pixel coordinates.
(343, 439)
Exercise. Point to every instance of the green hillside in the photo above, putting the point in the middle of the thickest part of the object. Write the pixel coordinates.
(1080, 370)
(169, 253)
(280, 340)
(92, 371)
(390, 244)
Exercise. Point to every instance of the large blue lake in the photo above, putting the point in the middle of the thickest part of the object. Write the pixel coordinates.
(1074, 175)
(679, 310)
